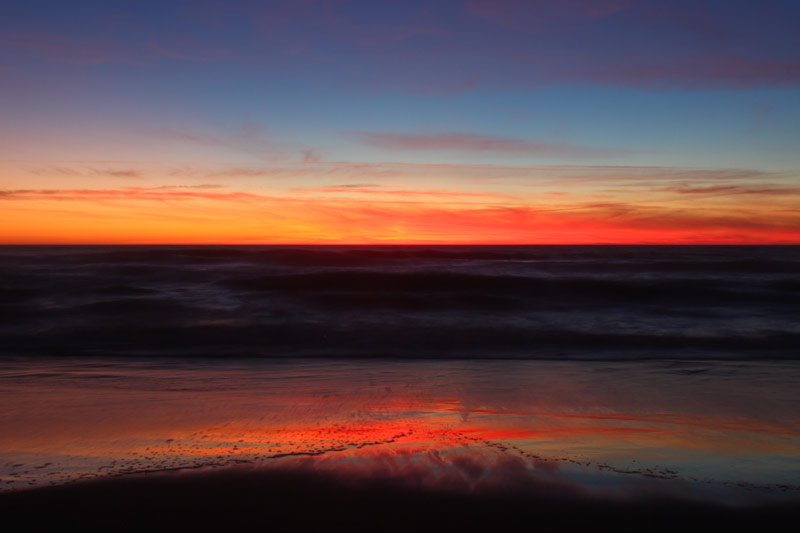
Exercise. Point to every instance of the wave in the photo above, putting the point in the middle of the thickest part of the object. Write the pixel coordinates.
(415, 301)
(514, 288)
(469, 340)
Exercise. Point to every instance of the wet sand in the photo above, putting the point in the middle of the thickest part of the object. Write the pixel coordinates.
(118, 443)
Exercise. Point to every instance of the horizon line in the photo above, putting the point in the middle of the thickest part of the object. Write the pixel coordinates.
(405, 244)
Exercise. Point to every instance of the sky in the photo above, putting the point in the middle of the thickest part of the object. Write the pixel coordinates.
(400, 122)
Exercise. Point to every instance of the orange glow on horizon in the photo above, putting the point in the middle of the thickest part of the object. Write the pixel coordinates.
(397, 203)
(139, 216)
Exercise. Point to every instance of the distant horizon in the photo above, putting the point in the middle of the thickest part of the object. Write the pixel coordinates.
(398, 244)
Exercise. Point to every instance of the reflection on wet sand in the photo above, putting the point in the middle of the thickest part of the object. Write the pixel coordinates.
(724, 430)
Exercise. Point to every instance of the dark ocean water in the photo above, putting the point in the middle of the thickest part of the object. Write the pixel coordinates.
(533, 302)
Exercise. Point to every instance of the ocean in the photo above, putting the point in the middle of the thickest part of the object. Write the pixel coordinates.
(522, 302)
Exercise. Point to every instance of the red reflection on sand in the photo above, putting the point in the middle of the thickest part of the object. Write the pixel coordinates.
(73, 425)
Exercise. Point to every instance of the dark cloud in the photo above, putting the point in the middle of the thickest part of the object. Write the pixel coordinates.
(722, 190)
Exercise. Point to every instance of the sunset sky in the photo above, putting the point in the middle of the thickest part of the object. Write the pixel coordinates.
(475, 121)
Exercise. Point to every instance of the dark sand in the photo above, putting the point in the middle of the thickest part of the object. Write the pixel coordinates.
(310, 500)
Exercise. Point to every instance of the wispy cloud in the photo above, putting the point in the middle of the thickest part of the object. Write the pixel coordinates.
(119, 173)
(65, 48)
(310, 156)
(723, 190)
(84, 170)
(353, 186)
(236, 172)
(186, 50)
(160, 193)
(474, 142)
(704, 72)
(299, 26)
(533, 14)
(378, 190)
(247, 138)
(199, 186)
